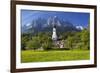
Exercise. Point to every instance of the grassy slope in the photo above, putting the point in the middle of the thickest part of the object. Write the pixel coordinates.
(65, 55)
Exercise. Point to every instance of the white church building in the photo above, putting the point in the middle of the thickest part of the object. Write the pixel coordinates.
(59, 43)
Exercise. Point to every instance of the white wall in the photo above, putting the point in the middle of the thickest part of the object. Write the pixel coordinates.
(5, 35)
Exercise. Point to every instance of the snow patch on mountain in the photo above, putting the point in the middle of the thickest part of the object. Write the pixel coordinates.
(79, 27)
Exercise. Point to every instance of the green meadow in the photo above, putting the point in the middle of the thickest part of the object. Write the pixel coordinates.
(54, 55)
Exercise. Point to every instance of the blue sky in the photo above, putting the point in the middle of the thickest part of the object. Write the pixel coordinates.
(76, 18)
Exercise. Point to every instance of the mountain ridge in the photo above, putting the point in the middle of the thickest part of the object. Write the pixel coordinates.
(44, 25)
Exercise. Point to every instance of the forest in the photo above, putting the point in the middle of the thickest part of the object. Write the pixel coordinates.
(72, 40)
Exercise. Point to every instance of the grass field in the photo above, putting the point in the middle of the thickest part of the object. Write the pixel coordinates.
(45, 56)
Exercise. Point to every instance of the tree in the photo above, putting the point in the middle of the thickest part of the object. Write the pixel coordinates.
(46, 45)
(80, 40)
(46, 42)
(40, 40)
(69, 42)
(34, 43)
(85, 37)
(24, 40)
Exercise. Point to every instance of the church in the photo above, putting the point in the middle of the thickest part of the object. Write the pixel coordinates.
(56, 41)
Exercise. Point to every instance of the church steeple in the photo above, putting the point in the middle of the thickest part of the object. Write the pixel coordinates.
(54, 35)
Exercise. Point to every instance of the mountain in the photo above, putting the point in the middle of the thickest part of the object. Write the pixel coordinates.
(45, 25)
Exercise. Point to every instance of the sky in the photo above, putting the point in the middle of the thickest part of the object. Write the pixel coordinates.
(76, 18)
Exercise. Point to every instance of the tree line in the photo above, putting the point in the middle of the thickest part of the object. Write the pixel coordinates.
(72, 40)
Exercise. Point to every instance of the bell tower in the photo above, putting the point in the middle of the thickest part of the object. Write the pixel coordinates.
(54, 34)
